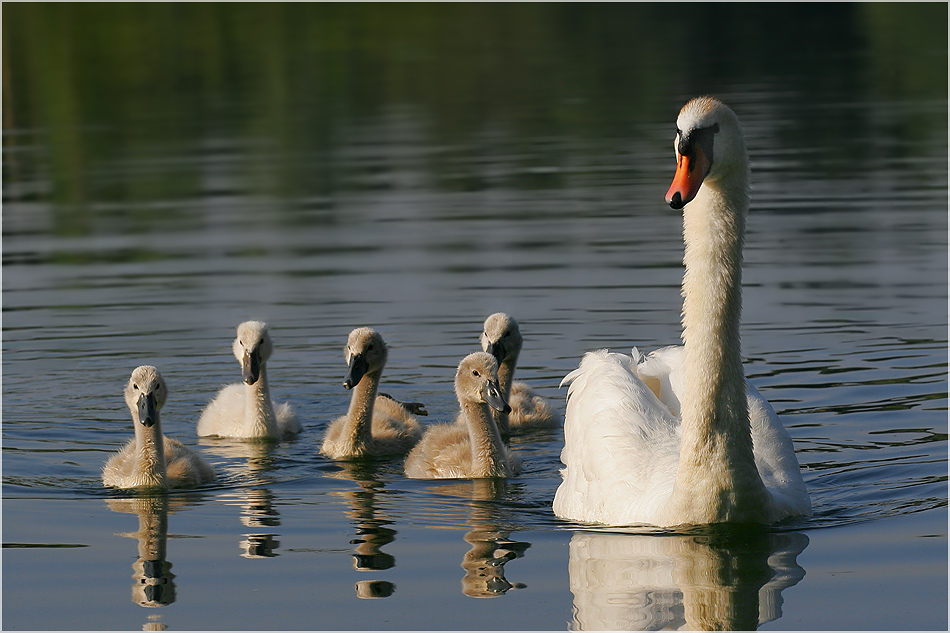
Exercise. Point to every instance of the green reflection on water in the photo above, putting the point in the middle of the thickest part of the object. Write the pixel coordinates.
(93, 89)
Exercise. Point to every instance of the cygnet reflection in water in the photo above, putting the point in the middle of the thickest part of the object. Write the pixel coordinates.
(491, 547)
(371, 523)
(153, 583)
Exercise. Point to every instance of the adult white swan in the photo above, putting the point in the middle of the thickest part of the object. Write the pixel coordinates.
(151, 460)
(246, 410)
(680, 437)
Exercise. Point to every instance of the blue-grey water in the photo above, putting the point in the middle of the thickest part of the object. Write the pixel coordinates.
(359, 174)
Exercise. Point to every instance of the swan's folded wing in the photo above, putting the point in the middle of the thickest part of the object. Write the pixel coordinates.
(775, 459)
(662, 371)
(620, 444)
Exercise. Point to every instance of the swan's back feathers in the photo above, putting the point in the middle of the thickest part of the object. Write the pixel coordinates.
(621, 445)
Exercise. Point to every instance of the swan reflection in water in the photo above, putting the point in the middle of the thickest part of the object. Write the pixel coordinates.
(250, 460)
(728, 579)
(491, 548)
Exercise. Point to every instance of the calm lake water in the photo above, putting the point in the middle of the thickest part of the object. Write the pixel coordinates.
(415, 169)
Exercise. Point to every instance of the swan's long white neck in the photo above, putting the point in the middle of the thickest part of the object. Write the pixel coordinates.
(488, 453)
(717, 479)
(259, 413)
(149, 453)
(358, 432)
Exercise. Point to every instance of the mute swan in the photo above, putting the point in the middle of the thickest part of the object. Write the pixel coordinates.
(375, 425)
(474, 449)
(151, 460)
(502, 339)
(247, 410)
(680, 437)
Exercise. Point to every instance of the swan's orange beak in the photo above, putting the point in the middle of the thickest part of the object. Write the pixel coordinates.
(690, 172)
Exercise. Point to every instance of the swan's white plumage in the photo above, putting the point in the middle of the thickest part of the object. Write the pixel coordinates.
(151, 460)
(375, 425)
(472, 448)
(613, 413)
(680, 437)
(245, 410)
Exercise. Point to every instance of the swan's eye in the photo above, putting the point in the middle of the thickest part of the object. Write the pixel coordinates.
(475, 372)
(135, 386)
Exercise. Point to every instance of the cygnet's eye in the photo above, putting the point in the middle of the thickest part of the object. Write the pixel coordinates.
(475, 372)
(369, 347)
(135, 386)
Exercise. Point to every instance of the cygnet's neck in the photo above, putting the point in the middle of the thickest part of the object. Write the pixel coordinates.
(259, 416)
(149, 454)
(717, 478)
(358, 433)
(488, 453)
(506, 375)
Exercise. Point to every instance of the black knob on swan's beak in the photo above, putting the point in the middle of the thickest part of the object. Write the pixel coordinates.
(676, 202)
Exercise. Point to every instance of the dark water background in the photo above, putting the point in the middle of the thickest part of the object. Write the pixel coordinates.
(172, 170)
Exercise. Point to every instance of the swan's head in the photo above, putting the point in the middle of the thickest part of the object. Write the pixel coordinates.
(501, 337)
(477, 381)
(145, 394)
(252, 348)
(366, 352)
(708, 147)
